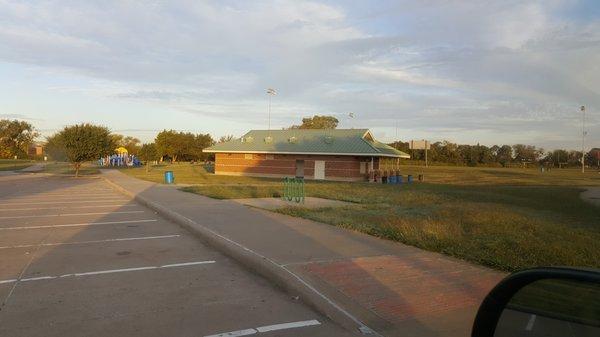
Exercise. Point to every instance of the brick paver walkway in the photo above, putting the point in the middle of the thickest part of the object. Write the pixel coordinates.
(422, 288)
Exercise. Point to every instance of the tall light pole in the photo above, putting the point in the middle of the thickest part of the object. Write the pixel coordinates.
(582, 108)
(271, 92)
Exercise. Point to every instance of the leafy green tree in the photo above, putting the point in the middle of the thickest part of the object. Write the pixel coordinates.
(148, 153)
(132, 144)
(15, 138)
(55, 148)
(526, 153)
(318, 122)
(202, 141)
(182, 146)
(167, 143)
(84, 142)
(504, 155)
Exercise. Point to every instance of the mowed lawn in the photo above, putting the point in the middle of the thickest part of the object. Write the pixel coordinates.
(67, 168)
(507, 219)
(14, 164)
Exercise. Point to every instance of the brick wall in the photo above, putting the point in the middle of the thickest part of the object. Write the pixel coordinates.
(336, 167)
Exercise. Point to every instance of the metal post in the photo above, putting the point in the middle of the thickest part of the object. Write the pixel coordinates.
(426, 154)
(583, 139)
(271, 92)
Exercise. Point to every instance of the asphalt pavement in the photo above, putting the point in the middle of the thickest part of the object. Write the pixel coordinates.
(77, 258)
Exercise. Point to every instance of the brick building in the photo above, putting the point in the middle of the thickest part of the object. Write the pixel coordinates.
(341, 154)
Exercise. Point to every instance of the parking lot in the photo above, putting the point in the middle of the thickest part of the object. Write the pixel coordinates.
(78, 258)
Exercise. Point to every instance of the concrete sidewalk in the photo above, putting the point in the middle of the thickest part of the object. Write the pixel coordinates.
(34, 168)
(364, 283)
(591, 195)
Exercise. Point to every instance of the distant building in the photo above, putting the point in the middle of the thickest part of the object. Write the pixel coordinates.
(340, 154)
(35, 150)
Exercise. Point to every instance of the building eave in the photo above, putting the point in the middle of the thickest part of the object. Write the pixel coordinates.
(313, 153)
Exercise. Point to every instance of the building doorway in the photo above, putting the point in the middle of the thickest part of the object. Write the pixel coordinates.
(319, 169)
(299, 168)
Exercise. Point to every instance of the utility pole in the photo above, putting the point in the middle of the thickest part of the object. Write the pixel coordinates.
(582, 108)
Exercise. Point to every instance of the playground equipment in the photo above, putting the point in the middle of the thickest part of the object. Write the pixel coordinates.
(119, 159)
(293, 189)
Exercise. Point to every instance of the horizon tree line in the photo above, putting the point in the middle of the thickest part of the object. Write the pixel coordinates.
(17, 136)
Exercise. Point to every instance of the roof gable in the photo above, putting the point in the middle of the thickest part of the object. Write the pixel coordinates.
(309, 141)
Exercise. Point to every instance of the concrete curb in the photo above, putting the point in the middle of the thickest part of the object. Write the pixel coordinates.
(280, 275)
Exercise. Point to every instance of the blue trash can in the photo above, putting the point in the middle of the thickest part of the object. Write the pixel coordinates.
(409, 179)
(392, 179)
(399, 179)
(169, 177)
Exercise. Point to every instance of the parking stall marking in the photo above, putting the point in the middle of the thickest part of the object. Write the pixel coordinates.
(79, 224)
(268, 328)
(110, 271)
(530, 322)
(61, 202)
(63, 194)
(74, 196)
(65, 207)
(67, 214)
(94, 241)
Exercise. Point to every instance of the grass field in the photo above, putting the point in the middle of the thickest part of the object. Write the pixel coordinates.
(508, 219)
(14, 164)
(67, 169)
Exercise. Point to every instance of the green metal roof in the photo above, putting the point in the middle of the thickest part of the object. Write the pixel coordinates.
(357, 142)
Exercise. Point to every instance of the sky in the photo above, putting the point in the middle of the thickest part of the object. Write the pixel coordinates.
(488, 72)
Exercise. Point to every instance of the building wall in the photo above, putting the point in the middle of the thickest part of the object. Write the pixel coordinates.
(278, 165)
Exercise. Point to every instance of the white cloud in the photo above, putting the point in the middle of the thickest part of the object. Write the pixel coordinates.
(491, 69)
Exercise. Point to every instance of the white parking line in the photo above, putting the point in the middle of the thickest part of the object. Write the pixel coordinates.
(65, 207)
(72, 197)
(70, 194)
(61, 202)
(285, 326)
(110, 271)
(267, 328)
(66, 214)
(79, 224)
(93, 241)
(530, 323)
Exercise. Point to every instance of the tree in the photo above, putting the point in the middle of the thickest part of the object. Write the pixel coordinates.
(84, 142)
(504, 155)
(225, 139)
(526, 153)
(201, 142)
(317, 122)
(148, 153)
(183, 146)
(15, 138)
(55, 148)
(166, 143)
(132, 144)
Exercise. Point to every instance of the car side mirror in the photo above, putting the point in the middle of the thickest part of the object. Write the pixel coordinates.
(542, 302)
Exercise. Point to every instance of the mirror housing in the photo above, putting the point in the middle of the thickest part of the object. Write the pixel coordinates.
(496, 301)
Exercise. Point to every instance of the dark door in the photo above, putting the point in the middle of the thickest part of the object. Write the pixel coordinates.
(299, 168)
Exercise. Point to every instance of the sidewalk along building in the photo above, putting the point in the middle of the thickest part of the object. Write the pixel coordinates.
(340, 154)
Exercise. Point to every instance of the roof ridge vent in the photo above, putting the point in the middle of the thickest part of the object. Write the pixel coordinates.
(268, 139)
(293, 140)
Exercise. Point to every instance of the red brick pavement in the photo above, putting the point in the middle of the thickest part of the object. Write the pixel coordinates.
(413, 287)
